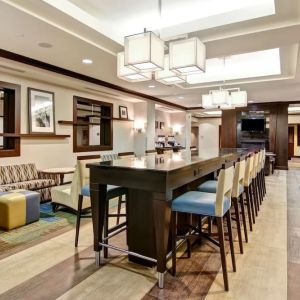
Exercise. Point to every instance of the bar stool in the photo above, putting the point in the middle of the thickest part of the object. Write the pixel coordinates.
(208, 204)
(247, 188)
(210, 186)
(258, 178)
(84, 191)
(263, 171)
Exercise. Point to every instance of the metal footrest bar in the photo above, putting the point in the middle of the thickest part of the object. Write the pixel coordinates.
(115, 233)
(128, 252)
(116, 227)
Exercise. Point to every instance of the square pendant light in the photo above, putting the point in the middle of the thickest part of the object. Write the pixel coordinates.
(144, 52)
(166, 76)
(207, 101)
(187, 56)
(239, 98)
(128, 73)
(220, 97)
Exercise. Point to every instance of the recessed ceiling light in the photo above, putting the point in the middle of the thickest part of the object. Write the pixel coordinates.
(45, 45)
(250, 101)
(151, 86)
(180, 97)
(87, 61)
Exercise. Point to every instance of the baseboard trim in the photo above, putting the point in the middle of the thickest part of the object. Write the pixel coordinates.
(281, 168)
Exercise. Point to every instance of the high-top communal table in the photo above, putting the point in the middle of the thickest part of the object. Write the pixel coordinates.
(152, 182)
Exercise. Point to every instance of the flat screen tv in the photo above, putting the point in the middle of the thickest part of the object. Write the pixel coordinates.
(253, 125)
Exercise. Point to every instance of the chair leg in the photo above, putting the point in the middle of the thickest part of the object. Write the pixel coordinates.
(244, 217)
(253, 198)
(238, 223)
(105, 230)
(229, 226)
(54, 207)
(222, 251)
(252, 201)
(188, 241)
(173, 237)
(79, 211)
(248, 207)
(119, 210)
(264, 181)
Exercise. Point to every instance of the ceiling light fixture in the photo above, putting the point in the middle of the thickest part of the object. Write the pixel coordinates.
(145, 52)
(224, 98)
(151, 86)
(130, 74)
(87, 61)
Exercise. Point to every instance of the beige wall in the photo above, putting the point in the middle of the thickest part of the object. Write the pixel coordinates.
(59, 153)
(208, 134)
(295, 119)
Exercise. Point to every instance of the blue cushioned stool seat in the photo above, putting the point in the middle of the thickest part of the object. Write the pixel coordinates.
(210, 186)
(198, 203)
(112, 191)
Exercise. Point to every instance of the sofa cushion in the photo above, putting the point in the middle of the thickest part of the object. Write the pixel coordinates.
(28, 185)
(17, 173)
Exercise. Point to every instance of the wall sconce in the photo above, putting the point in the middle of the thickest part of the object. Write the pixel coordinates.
(176, 129)
(139, 126)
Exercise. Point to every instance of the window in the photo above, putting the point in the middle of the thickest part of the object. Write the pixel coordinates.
(92, 125)
(9, 119)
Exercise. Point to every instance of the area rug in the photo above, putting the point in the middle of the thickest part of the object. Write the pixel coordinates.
(49, 224)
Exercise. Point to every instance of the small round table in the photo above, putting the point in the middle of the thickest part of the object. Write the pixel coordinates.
(59, 171)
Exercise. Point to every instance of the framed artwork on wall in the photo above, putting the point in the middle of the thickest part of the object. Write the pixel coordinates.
(156, 124)
(162, 125)
(123, 112)
(41, 113)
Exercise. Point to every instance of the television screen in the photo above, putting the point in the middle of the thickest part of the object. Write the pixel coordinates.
(253, 125)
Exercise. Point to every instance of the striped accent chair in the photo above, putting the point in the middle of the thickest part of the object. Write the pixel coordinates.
(27, 177)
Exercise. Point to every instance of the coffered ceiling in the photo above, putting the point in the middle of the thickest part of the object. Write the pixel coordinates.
(78, 29)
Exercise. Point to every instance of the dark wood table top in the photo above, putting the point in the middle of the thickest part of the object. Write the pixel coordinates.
(167, 162)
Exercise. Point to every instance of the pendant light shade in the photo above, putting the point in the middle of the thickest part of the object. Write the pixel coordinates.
(207, 101)
(220, 97)
(239, 98)
(187, 56)
(144, 52)
(128, 73)
(166, 76)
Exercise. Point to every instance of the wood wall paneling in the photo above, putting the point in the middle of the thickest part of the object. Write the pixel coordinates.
(229, 122)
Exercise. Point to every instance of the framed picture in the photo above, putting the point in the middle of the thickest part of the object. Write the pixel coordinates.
(41, 114)
(162, 125)
(123, 113)
(156, 124)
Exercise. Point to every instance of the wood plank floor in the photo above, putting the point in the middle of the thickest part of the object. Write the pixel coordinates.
(293, 211)
(53, 269)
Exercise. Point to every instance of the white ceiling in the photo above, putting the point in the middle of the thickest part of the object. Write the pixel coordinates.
(72, 40)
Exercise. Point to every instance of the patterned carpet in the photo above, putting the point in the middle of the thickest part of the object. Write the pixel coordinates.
(49, 223)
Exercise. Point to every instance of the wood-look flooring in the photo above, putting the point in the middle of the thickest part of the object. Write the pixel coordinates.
(54, 269)
(293, 212)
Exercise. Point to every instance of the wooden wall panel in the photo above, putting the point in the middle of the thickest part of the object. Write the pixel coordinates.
(228, 129)
(278, 129)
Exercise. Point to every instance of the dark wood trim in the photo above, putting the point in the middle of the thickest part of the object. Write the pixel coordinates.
(45, 136)
(85, 157)
(29, 110)
(103, 125)
(281, 168)
(125, 153)
(52, 68)
(150, 151)
(118, 119)
(15, 151)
